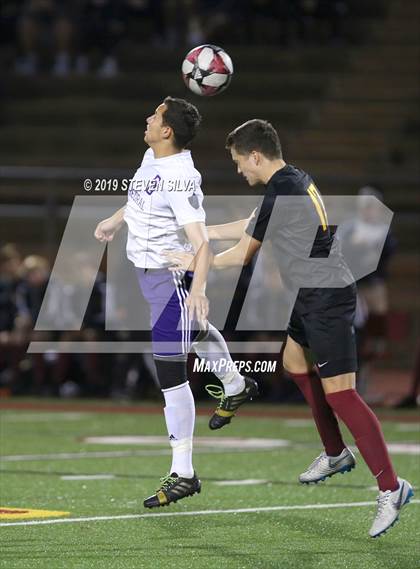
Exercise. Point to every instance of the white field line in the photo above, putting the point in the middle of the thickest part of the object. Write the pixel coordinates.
(375, 489)
(404, 448)
(194, 513)
(79, 455)
(245, 482)
(199, 442)
(408, 427)
(394, 448)
(120, 454)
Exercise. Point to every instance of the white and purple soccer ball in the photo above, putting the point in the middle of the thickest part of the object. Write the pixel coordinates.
(207, 70)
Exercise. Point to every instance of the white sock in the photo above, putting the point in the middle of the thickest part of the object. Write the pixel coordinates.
(180, 418)
(216, 351)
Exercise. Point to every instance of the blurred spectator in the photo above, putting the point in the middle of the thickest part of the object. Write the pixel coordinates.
(10, 266)
(100, 29)
(50, 372)
(29, 295)
(210, 19)
(31, 290)
(9, 13)
(39, 19)
(64, 308)
(10, 341)
(331, 13)
(173, 21)
(92, 30)
(360, 239)
(360, 321)
(23, 287)
(412, 399)
(368, 231)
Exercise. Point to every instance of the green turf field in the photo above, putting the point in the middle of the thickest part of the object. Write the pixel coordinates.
(292, 534)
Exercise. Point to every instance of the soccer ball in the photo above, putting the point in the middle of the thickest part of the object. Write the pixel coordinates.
(207, 70)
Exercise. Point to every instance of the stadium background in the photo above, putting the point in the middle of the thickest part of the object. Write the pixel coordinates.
(339, 79)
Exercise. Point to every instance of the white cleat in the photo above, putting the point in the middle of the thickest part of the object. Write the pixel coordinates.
(389, 507)
(325, 466)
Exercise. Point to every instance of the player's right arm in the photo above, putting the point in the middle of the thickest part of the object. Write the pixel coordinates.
(106, 229)
(229, 231)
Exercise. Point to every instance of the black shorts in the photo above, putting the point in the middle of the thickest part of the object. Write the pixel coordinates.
(322, 320)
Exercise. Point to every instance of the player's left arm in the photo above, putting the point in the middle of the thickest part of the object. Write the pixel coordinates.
(240, 254)
(230, 231)
(197, 301)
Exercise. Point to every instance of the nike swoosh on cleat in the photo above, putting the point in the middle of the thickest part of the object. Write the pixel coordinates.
(398, 502)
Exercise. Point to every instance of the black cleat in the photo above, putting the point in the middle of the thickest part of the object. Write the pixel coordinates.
(229, 404)
(172, 489)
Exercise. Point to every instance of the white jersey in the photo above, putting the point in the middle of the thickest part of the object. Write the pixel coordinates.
(164, 195)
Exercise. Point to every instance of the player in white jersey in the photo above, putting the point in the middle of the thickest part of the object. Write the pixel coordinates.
(164, 211)
(164, 196)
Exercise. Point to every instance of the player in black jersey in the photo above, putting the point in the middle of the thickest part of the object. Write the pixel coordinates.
(322, 289)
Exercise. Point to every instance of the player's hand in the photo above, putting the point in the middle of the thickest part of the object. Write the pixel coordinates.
(105, 230)
(198, 306)
(180, 260)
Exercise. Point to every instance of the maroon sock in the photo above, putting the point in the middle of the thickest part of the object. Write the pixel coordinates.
(328, 429)
(366, 430)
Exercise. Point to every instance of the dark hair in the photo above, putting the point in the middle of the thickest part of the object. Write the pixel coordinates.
(258, 135)
(183, 118)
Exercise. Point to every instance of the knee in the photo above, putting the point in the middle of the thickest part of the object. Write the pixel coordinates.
(294, 365)
(338, 383)
(170, 372)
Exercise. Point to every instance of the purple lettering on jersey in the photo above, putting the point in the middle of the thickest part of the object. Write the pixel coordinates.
(135, 195)
(153, 184)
